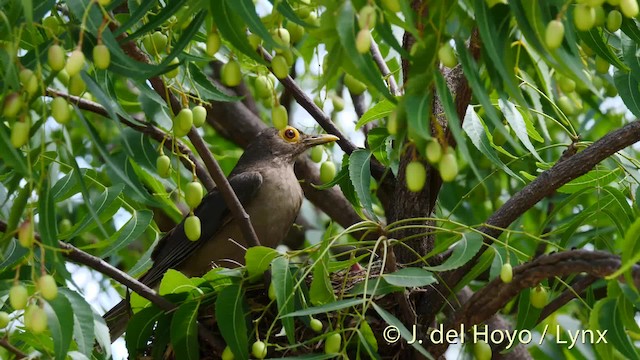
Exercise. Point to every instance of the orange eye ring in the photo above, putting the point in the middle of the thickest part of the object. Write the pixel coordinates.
(290, 134)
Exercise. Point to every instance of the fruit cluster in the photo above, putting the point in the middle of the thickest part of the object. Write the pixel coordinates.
(444, 160)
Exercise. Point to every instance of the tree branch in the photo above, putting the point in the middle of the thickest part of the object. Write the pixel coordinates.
(4, 342)
(384, 69)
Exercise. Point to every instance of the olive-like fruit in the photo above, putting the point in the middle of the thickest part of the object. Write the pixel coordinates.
(506, 273)
(18, 297)
(434, 151)
(64, 226)
(446, 56)
(566, 84)
(566, 105)
(47, 286)
(182, 122)
(280, 66)
(193, 194)
(26, 233)
(295, 31)
(4, 319)
(337, 102)
(213, 43)
(279, 117)
(199, 115)
(584, 17)
(391, 5)
(482, 350)
(259, 349)
(163, 166)
(367, 17)
(19, 133)
(75, 63)
(264, 87)
(271, 292)
(539, 297)
(614, 20)
(554, 34)
(327, 171)
(415, 176)
(316, 154)
(230, 73)
(77, 86)
(227, 354)
(355, 86)
(52, 26)
(255, 41)
(316, 325)
(12, 105)
(101, 56)
(629, 8)
(56, 57)
(60, 110)
(159, 42)
(601, 17)
(602, 65)
(448, 167)
(332, 344)
(35, 319)
(192, 227)
(29, 81)
(281, 36)
(363, 41)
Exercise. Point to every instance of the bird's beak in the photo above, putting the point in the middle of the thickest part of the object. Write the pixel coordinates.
(314, 140)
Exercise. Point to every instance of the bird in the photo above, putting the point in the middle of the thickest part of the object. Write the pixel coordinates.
(266, 185)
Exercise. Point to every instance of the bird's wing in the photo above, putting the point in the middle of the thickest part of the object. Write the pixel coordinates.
(175, 247)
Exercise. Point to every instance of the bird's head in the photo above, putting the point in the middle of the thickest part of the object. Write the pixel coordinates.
(285, 144)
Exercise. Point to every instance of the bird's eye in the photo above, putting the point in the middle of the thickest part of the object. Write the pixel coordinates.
(290, 134)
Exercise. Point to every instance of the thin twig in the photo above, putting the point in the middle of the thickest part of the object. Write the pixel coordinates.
(4, 342)
(384, 69)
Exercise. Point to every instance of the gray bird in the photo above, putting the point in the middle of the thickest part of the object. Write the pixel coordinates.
(268, 189)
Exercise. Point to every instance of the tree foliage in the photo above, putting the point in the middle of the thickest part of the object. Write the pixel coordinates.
(496, 185)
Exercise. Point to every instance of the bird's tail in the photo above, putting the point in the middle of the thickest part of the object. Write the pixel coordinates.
(117, 319)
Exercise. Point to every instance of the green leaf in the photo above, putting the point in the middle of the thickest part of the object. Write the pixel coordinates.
(367, 336)
(258, 259)
(629, 90)
(594, 39)
(483, 263)
(136, 226)
(47, 217)
(463, 251)
(377, 111)
(321, 291)
(17, 209)
(83, 326)
(283, 284)
(404, 332)
(246, 10)
(175, 282)
(334, 306)
(206, 88)
(105, 205)
(184, 331)
(230, 310)
(360, 175)
(60, 322)
(374, 287)
(286, 10)
(137, 15)
(140, 328)
(410, 277)
(594, 178)
(380, 144)
(231, 27)
(630, 249)
(604, 350)
(155, 20)
(418, 108)
(609, 319)
(10, 155)
(518, 125)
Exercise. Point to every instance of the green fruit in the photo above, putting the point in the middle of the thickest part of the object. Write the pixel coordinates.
(104, 2)
(566, 84)
(192, 227)
(213, 43)
(506, 273)
(614, 20)
(255, 41)
(18, 297)
(434, 151)
(602, 65)
(327, 171)
(163, 166)
(295, 31)
(175, 71)
(199, 115)
(159, 43)
(4, 319)
(19, 133)
(448, 167)
(332, 344)
(279, 117)
(75, 63)
(101, 56)
(354, 85)
(554, 34)
(611, 90)
(415, 176)
(47, 286)
(64, 226)
(271, 292)
(288, 55)
(281, 36)
(264, 88)
(367, 17)
(337, 102)
(614, 2)
(280, 67)
(52, 26)
(482, 350)
(193, 194)
(316, 154)
(259, 349)
(393, 123)
(499, 138)
(492, 3)
(566, 106)
(35, 319)
(600, 15)
(231, 74)
(584, 17)
(60, 110)
(182, 122)
(363, 41)
(316, 325)
(77, 86)
(629, 8)
(12, 105)
(446, 56)
(29, 81)
(26, 234)
(391, 5)
(56, 57)
(539, 297)
(227, 354)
